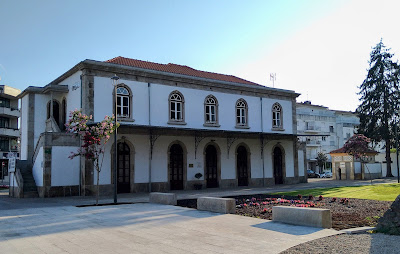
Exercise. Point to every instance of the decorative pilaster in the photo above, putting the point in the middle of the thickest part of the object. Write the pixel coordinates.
(229, 143)
(198, 137)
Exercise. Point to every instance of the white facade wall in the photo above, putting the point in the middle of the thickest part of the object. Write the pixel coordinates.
(373, 168)
(287, 115)
(381, 157)
(67, 170)
(288, 156)
(37, 170)
(357, 167)
(73, 97)
(41, 101)
(228, 165)
(193, 107)
(24, 128)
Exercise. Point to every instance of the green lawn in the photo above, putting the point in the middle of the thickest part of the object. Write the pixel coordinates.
(384, 192)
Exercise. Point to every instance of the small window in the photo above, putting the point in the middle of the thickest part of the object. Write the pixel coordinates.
(211, 110)
(4, 122)
(323, 138)
(176, 107)
(241, 113)
(277, 116)
(123, 102)
(4, 102)
(4, 144)
(331, 128)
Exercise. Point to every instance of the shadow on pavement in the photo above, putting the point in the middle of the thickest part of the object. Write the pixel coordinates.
(287, 229)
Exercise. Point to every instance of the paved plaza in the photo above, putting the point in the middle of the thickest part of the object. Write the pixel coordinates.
(56, 225)
(144, 228)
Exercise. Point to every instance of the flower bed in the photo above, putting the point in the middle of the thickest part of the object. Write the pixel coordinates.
(346, 213)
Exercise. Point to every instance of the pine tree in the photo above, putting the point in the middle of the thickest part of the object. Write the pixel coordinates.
(380, 99)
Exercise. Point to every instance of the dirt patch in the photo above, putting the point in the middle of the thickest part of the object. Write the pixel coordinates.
(346, 213)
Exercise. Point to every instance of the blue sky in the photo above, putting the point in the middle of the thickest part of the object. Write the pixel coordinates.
(317, 48)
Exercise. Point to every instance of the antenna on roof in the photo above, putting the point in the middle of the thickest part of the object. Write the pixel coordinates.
(272, 76)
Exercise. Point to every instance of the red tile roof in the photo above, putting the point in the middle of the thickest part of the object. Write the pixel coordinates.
(178, 69)
(341, 150)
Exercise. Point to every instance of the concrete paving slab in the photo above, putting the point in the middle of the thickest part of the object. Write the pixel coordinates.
(144, 228)
(55, 225)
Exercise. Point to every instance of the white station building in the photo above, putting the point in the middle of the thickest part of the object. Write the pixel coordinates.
(175, 122)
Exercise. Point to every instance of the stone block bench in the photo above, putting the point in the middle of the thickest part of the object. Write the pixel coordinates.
(218, 205)
(163, 198)
(312, 217)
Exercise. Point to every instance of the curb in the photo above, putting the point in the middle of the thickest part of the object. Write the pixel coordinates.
(350, 231)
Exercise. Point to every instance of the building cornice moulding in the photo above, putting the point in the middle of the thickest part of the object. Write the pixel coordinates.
(92, 67)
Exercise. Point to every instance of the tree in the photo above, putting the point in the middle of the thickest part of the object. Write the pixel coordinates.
(321, 159)
(358, 146)
(380, 99)
(94, 138)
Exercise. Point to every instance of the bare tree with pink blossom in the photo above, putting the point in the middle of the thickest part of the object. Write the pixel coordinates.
(94, 138)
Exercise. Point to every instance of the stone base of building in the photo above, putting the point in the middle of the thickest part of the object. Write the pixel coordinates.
(15, 192)
(58, 191)
(108, 189)
(302, 179)
(291, 180)
(228, 183)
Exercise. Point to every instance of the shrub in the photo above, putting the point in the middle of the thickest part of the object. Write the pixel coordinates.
(299, 196)
(310, 197)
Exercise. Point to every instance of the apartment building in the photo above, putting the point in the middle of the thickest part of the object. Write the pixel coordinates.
(9, 132)
(323, 130)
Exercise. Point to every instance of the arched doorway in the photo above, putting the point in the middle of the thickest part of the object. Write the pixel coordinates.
(123, 166)
(211, 167)
(278, 165)
(242, 166)
(176, 167)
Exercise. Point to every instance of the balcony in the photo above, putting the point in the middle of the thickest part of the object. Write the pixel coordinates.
(13, 112)
(312, 129)
(313, 143)
(10, 132)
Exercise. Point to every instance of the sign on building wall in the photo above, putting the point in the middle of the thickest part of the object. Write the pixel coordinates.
(11, 165)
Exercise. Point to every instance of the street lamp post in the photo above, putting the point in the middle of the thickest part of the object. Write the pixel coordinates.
(397, 151)
(115, 79)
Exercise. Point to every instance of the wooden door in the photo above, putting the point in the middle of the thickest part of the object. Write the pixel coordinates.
(176, 167)
(242, 166)
(278, 163)
(211, 167)
(123, 166)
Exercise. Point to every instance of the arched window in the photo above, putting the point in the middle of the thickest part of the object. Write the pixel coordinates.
(241, 113)
(277, 116)
(176, 107)
(64, 113)
(56, 111)
(123, 102)
(211, 110)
